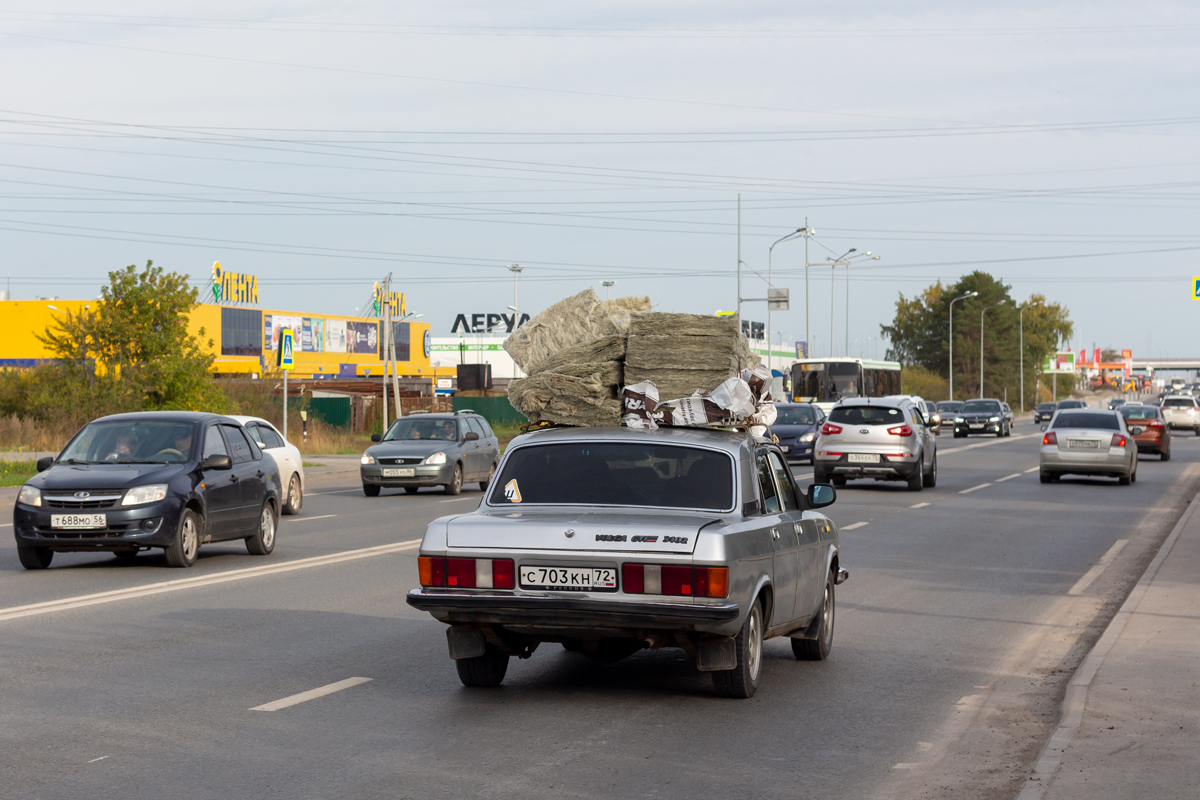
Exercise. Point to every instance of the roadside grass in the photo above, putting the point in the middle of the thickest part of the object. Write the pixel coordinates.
(26, 435)
(15, 473)
(311, 464)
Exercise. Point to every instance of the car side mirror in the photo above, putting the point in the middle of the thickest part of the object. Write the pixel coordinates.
(821, 495)
(375, 437)
(470, 436)
(1045, 427)
(44, 463)
(217, 461)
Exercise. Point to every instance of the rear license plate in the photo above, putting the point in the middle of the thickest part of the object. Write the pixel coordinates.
(78, 521)
(863, 458)
(399, 473)
(1083, 444)
(576, 579)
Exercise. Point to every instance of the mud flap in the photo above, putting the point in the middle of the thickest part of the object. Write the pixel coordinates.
(465, 642)
(720, 654)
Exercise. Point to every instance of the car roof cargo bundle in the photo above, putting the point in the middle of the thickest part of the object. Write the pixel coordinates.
(581, 351)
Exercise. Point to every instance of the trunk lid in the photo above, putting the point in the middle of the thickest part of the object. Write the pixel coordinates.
(600, 530)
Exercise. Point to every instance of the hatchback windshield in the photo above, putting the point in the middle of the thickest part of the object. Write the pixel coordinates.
(1088, 419)
(1139, 412)
(980, 407)
(414, 428)
(1179, 402)
(793, 415)
(128, 441)
(616, 474)
(866, 415)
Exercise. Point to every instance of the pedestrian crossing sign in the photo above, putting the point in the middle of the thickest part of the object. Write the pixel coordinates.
(1196, 288)
(285, 349)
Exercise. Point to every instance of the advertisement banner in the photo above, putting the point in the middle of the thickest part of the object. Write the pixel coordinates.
(362, 337)
(275, 323)
(306, 342)
(314, 334)
(335, 336)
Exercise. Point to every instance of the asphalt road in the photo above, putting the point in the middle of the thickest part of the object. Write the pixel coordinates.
(150, 693)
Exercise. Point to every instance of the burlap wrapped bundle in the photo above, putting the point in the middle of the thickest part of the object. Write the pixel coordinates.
(685, 353)
(567, 400)
(580, 318)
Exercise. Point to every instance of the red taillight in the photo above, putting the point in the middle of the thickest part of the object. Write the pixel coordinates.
(1117, 441)
(901, 430)
(467, 573)
(828, 429)
(1153, 424)
(1050, 438)
(674, 580)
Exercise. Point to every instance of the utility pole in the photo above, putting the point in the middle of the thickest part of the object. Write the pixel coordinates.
(387, 346)
(1021, 321)
(770, 251)
(807, 337)
(981, 313)
(952, 302)
(739, 262)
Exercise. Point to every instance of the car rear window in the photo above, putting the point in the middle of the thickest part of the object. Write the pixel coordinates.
(1139, 412)
(1088, 419)
(616, 474)
(1071, 404)
(866, 415)
(1179, 402)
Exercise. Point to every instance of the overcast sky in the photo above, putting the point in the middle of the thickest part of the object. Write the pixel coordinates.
(322, 145)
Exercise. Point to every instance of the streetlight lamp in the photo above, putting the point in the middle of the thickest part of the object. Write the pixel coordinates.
(981, 313)
(867, 255)
(515, 269)
(770, 250)
(607, 286)
(1021, 320)
(952, 302)
(833, 285)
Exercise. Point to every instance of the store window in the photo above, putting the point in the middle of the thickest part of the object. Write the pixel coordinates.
(241, 332)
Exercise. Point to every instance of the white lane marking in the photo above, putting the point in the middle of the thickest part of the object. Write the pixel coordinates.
(855, 525)
(975, 488)
(456, 499)
(919, 505)
(311, 694)
(1032, 469)
(81, 601)
(1008, 477)
(306, 519)
(803, 477)
(6, 525)
(949, 450)
(1088, 577)
(332, 491)
(94, 760)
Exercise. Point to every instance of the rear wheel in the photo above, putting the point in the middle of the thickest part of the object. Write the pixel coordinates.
(485, 670)
(1046, 477)
(455, 484)
(182, 551)
(742, 680)
(411, 489)
(491, 474)
(34, 557)
(295, 496)
(1165, 455)
(819, 475)
(818, 649)
(917, 482)
(263, 540)
(931, 478)
(837, 481)
(370, 490)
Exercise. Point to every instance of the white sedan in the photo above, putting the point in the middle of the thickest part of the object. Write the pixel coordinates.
(1088, 442)
(287, 457)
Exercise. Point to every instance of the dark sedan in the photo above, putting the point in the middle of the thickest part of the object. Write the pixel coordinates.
(1044, 411)
(981, 416)
(131, 482)
(796, 426)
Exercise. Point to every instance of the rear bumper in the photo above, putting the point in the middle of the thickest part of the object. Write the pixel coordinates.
(1113, 463)
(568, 612)
(884, 470)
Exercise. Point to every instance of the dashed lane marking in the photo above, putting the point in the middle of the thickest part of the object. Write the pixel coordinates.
(943, 451)
(975, 488)
(1083, 583)
(855, 525)
(458, 499)
(311, 694)
(306, 519)
(94, 760)
(1032, 469)
(1008, 477)
(81, 601)
(919, 505)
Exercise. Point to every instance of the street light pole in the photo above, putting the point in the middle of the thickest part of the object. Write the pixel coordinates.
(515, 269)
(1021, 321)
(770, 250)
(981, 313)
(872, 258)
(607, 289)
(952, 302)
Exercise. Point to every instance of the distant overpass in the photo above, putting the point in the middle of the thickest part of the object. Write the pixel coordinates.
(1155, 364)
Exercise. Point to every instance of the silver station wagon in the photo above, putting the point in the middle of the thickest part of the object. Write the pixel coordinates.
(611, 540)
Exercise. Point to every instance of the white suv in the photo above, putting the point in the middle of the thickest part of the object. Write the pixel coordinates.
(1181, 411)
(887, 439)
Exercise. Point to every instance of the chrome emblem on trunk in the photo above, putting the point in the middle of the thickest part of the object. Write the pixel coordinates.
(569, 533)
(864, 431)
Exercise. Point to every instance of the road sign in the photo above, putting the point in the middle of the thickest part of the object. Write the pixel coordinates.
(777, 299)
(1196, 288)
(286, 342)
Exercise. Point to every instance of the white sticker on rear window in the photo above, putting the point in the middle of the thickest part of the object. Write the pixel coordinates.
(512, 492)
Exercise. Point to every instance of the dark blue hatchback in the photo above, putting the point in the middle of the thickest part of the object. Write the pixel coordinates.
(797, 426)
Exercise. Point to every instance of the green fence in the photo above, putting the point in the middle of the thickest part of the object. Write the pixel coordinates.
(496, 410)
(333, 411)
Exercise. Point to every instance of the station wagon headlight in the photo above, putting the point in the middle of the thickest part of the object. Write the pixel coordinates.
(367, 458)
(436, 458)
(144, 494)
(30, 496)
(808, 437)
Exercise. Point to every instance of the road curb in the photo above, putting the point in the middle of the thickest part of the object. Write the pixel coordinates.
(1050, 759)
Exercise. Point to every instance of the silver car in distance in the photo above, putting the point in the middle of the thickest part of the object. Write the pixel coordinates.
(610, 540)
(1088, 442)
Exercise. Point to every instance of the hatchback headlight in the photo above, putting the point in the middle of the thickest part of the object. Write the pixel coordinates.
(367, 458)
(436, 458)
(144, 494)
(808, 437)
(30, 496)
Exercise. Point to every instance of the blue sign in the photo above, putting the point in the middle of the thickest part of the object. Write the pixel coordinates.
(286, 346)
(1196, 288)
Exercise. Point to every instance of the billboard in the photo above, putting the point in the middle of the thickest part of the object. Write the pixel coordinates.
(274, 323)
(335, 336)
(1062, 363)
(362, 337)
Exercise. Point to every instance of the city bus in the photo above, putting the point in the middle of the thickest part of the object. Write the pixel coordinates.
(824, 381)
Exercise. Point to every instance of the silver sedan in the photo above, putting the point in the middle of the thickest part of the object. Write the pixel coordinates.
(1088, 442)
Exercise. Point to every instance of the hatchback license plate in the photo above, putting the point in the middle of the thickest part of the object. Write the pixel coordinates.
(577, 579)
(1083, 444)
(399, 473)
(78, 521)
(863, 458)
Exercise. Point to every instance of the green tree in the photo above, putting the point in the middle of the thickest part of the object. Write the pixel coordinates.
(920, 335)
